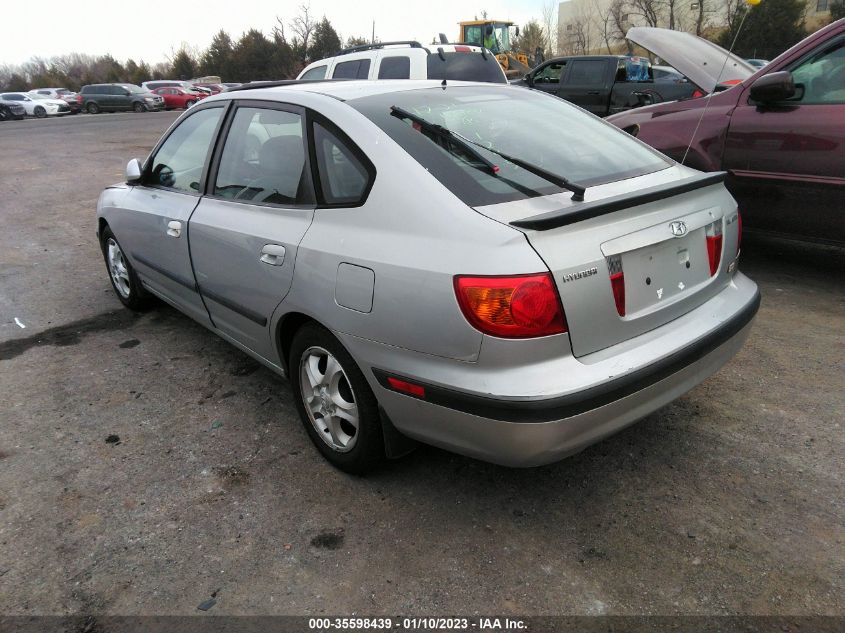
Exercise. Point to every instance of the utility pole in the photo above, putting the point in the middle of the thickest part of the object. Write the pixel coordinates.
(373, 40)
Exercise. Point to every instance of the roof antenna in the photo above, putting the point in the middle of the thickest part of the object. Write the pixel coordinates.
(750, 3)
(443, 85)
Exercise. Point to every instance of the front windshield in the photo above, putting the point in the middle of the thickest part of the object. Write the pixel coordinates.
(532, 126)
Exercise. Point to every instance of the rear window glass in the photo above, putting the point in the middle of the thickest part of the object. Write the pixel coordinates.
(355, 69)
(465, 67)
(587, 72)
(398, 67)
(532, 126)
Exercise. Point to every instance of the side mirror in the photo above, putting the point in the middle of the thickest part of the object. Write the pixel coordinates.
(133, 172)
(773, 87)
(529, 79)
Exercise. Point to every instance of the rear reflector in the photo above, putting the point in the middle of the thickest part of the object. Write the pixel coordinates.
(520, 306)
(713, 233)
(617, 282)
(406, 387)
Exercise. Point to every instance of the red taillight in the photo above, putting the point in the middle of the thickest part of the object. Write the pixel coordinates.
(406, 387)
(713, 233)
(697, 94)
(520, 306)
(463, 49)
(617, 282)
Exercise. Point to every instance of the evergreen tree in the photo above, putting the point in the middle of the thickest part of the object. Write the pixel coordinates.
(325, 41)
(217, 59)
(769, 29)
(183, 64)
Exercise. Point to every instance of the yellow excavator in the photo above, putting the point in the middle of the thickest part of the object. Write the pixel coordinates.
(496, 36)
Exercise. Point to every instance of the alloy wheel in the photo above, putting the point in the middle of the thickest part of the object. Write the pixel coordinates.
(328, 398)
(117, 268)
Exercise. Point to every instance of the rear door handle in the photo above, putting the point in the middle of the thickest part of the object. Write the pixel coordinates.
(594, 92)
(174, 228)
(273, 254)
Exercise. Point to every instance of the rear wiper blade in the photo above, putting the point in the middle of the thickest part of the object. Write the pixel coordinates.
(445, 133)
(576, 189)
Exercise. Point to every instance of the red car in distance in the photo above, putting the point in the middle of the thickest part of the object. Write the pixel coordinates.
(178, 97)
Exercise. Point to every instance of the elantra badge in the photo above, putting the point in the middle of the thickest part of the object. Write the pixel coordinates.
(678, 228)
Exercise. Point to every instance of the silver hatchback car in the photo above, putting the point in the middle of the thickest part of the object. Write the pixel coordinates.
(480, 267)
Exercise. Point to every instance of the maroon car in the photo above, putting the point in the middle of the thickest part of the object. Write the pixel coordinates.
(779, 133)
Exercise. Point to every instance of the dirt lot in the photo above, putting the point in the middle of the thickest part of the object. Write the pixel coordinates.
(146, 465)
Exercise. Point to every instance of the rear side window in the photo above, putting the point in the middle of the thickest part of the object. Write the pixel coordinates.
(465, 67)
(344, 179)
(263, 161)
(398, 67)
(355, 69)
(318, 72)
(587, 72)
(179, 162)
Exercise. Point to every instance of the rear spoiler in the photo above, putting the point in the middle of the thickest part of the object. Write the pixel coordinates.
(586, 210)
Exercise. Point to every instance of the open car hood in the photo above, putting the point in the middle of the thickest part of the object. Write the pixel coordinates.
(702, 62)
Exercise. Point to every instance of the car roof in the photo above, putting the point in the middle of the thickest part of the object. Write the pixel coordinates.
(346, 90)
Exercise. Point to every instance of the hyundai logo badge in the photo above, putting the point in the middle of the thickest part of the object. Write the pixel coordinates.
(678, 228)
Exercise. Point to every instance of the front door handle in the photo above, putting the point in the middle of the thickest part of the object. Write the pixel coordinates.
(593, 92)
(174, 228)
(273, 254)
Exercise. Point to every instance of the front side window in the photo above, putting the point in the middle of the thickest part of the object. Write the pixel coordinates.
(550, 74)
(263, 160)
(530, 125)
(396, 67)
(344, 179)
(179, 162)
(822, 76)
(318, 72)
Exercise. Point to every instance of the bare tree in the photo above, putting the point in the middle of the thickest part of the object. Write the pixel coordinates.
(700, 17)
(619, 23)
(303, 26)
(649, 10)
(550, 26)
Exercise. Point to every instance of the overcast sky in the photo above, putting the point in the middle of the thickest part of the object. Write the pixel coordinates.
(151, 30)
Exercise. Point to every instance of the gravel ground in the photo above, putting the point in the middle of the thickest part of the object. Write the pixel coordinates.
(146, 466)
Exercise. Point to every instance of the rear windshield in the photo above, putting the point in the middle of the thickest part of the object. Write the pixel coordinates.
(465, 67)
(532, 126)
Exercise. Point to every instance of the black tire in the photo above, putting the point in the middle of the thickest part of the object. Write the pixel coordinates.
(5, 114)
(139, 107)
(92, 108)
(40, 112)
(189, 103)
(134, 296)
(368, 450)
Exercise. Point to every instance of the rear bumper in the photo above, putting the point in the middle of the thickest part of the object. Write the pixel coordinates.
(532, 431)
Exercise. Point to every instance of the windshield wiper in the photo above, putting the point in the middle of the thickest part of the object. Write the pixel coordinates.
(576, 189)
(447, 134)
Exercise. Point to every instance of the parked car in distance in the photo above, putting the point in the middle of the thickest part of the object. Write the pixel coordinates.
(408, 60)
(779, 133)
(229, 85)
(73, 99)
(177, 97)
(37, 105)
(504, 310)
(757, 63)
(214, 88)
(605, 84)
(667, 73)
(119, 97)
(11, 110)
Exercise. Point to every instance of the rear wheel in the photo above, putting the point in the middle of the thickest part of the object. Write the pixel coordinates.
(139, 107)
(92, 108)
(337, 406)
(125, 282)
(40, 112)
